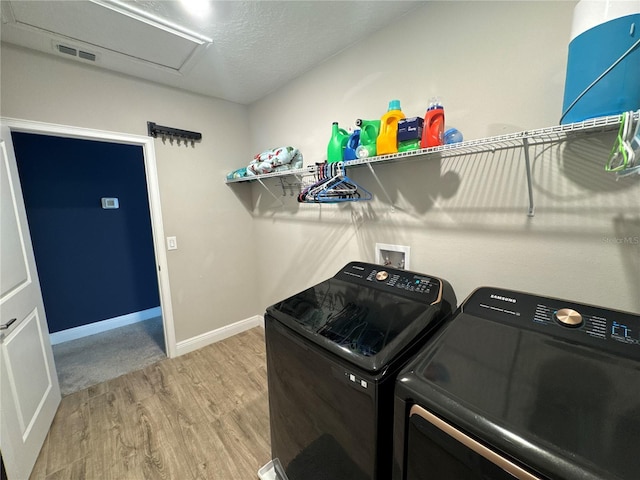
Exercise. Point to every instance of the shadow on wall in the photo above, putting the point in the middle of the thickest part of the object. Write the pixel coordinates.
(483, 191)
(243, 194)
(582, 162)
(468, 203)
(414, 186)
(487, 190)
(416, 182)
(313, 253)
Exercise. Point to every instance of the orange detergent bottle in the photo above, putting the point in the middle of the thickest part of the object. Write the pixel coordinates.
(387, 141)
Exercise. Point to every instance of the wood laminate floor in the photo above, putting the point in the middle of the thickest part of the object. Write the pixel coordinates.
(203, 415)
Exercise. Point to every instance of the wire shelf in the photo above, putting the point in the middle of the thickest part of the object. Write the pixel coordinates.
(522, 139)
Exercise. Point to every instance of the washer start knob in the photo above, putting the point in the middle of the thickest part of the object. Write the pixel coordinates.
(382, 276)
(568, 317)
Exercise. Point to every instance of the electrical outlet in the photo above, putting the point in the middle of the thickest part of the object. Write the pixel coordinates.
(172, 243)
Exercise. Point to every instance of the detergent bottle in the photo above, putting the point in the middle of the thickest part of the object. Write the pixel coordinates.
(369, 131)
(352, 145)
(387, 141)
(433, 128)
(337, 144)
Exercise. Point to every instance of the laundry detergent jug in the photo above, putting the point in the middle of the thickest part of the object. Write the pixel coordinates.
(369, 130)
(387, 141)
(352, 145)
(433, 129)
(337, 144)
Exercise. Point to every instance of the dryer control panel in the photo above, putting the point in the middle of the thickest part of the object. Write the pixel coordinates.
(588, 324)
(399, 282)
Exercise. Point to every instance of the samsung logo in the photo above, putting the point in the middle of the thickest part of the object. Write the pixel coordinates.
(504, 299)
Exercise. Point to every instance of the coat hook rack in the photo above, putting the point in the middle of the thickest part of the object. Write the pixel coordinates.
(154, 130)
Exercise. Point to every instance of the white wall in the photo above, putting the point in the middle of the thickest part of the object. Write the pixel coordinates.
(209, 272)
(498, 67)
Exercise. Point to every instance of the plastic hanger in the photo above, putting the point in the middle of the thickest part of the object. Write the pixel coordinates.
(333, 187)
(619, 156)
(631, 146)
(343, 190)
(627, 140)
(635, 141)
(321, 175)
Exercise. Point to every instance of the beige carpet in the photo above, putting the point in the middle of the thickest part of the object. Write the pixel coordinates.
(88, 361)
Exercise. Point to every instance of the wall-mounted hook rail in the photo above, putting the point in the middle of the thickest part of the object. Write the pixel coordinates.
(154, 130)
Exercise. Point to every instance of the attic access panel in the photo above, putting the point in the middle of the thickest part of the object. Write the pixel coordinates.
(110, 28)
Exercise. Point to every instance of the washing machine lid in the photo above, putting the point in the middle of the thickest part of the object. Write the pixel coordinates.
(367, 314)
(553, 383)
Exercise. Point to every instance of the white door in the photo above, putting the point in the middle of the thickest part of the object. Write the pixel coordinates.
(29, 391)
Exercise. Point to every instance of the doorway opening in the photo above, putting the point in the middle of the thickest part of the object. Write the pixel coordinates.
(117, 279)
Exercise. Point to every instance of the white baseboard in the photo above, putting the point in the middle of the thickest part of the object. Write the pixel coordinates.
(103, 326)
(218, 334)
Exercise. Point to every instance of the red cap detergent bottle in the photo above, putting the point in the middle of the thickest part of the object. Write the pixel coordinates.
(433, 129)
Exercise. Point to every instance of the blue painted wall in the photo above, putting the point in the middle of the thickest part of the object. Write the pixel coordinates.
(93, 264)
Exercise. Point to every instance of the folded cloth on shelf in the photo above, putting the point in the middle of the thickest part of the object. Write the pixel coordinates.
(239, 173)
(274, 160)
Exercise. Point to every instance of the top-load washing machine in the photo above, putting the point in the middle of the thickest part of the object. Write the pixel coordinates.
(333, 354)
(519, 385)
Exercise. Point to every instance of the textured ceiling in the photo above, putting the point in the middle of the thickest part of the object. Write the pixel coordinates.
(257, 46)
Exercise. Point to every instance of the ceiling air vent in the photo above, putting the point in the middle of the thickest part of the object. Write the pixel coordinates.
(89, 27)
(67, 50)
(75, 52)
(87, 56)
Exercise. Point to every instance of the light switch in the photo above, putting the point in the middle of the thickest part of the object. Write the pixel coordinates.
(172, 243)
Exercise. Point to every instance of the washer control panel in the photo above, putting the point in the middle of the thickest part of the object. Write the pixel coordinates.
(579, 322)
(400, 282)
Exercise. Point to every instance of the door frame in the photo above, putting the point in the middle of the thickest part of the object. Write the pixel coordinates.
(153, 189)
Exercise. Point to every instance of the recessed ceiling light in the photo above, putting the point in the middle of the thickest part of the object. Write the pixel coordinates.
(197, 8)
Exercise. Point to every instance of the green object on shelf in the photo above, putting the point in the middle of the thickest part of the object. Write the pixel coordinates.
(369, 130)
(337, 143)
(409, 145)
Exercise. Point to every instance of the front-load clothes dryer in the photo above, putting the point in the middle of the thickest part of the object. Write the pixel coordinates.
(333, 353)
(522, 386)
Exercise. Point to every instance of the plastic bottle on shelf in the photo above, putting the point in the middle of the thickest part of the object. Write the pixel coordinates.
(352, 145)
(387, 141)
(337, 144)
(369, 131)
(433, 130)
(453, 135)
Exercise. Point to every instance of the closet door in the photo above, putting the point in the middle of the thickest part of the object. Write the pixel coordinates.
(29, 391)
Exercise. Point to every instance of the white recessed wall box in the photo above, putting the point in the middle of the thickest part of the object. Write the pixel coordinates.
(395, 256)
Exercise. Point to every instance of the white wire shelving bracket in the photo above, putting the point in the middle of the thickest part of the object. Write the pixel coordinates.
(523, 140)
(279, 200)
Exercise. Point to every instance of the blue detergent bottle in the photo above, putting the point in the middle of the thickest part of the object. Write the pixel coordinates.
(352, 144)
